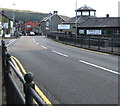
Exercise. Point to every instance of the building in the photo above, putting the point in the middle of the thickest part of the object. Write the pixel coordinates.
(86, 22)
(50, 23)
(31, 26)
(6, 26)
(99, 26)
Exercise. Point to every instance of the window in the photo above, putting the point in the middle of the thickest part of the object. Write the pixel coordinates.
(81, 32)
(47, 23)
(85, 13)
(28, 26)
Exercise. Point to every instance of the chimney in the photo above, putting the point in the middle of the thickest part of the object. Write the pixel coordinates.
(107, 15)
(50, 13)
(55, 12)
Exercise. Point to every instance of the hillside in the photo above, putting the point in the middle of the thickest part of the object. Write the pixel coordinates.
(21, 15)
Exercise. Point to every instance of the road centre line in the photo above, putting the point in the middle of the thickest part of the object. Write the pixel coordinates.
(60, 53)
(34, 40)
(100, 67)
(37, 43)
(43, 46)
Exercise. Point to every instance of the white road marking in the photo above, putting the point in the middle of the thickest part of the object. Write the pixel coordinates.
(60, 53)
(94, 65)
(37, 43)
(10, 42)
(43, 47)
(34, 40)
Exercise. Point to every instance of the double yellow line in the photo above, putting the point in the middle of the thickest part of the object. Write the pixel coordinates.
(22, 71)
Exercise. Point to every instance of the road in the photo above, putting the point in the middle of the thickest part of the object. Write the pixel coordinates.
(69, 75)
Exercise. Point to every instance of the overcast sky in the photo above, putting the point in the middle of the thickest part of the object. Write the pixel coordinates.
(64, 7)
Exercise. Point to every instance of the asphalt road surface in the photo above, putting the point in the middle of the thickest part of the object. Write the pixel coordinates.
(69, 75)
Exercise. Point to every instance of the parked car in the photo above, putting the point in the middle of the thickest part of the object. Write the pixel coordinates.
(32, 33)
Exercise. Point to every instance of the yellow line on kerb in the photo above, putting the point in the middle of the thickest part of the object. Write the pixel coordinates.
(88, 50)
(16, 65)
(42, 95)
(81, 48)
(22, 68)
(45, 99)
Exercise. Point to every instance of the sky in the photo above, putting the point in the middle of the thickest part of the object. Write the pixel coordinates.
(64, 7)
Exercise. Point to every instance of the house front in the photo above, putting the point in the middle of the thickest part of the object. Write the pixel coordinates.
(31, 26)
(50, 23)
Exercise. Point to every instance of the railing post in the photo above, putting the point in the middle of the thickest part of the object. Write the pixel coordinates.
(3, 55)
(7, 71)
(29, 83)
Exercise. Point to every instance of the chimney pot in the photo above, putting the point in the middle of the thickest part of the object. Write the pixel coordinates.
(107, 15)
(55, 12)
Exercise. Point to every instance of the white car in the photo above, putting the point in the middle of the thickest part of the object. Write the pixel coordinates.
(32, 33)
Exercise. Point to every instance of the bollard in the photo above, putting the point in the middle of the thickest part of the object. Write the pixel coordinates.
(29, 83)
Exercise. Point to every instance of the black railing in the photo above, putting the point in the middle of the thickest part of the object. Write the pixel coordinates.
(103, 43)
(13, 93)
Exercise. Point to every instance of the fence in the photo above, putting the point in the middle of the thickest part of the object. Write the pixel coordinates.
(103, 43)
(30, 94)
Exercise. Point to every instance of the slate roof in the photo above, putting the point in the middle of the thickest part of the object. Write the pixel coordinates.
(101, 22)
(79, 19)
(85, 8)
(51, 15)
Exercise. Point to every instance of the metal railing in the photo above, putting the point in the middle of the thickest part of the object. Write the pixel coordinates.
(103, 43)
(30, 95)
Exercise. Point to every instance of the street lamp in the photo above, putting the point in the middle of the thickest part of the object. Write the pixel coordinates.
(76, 22)
(13, 21)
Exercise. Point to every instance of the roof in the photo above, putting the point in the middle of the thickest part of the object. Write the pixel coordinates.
(29, 25)
(85, 8)
(51, 15)
(79, 19)
(101, 22)
(32, 24)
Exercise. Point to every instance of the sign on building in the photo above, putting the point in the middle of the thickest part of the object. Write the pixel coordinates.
(94, 32)
(61, 26)
(5, 25)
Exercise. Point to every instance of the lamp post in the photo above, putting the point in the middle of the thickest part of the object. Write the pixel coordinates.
(76, 23)
(13, 21)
